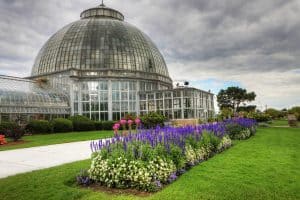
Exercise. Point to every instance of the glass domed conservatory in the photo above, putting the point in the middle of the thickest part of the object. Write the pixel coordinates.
(107, 68)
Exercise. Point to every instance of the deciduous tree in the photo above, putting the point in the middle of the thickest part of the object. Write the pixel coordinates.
(232, 97)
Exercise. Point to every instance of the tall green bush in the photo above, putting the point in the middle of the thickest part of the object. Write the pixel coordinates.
(39, 127)
(11, 130)
(152, 120)
(5, 126)
(82, 123)
(98, 125)
(107, 125)
(61, 125)
(259, 117)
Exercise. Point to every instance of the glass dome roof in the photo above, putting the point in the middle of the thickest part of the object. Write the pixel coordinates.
(99, 41)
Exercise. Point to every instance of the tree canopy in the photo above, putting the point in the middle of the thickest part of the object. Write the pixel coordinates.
(232, 97)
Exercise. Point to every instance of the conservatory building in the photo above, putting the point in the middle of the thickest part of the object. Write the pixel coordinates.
(104, 68)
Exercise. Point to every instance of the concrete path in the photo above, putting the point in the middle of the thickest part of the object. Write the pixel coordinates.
(18, 161)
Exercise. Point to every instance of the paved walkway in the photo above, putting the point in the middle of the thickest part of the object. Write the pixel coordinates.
(18, 161)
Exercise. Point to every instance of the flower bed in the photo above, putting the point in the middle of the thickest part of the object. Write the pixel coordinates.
(240, 128)
(152, 158)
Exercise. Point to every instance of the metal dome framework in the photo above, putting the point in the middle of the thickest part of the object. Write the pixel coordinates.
(101, 42)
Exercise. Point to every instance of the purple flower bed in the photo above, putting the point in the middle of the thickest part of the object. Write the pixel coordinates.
(151, 158)
(174, 135)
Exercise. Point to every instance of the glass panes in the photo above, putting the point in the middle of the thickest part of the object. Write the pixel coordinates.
(116, 106)
(104, 106)
(115, 85)
(132, 96)
(124, 96)
(115, 96)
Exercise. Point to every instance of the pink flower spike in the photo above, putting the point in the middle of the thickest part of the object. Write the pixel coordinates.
(117, 125)
(123, 121)
(130, 122)
(137, 121)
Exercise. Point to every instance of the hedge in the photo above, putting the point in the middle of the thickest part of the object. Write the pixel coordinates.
(82, 123)
(7, 126)
(39, 127)
(152, 120)
(98, 125)
(107, 125)
(61, 125)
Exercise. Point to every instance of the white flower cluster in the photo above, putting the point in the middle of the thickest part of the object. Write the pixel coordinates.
(195, 155)
(190, 154)
(161, 169)
(225, 143)
(124, 173)
(244, 134)
(120, 172)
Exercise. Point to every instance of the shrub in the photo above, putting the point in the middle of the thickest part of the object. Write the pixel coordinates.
(107, 125)
(211, 119)
(39, 127)
(152, 120)
(259, 117)
(209, 141)
(6, 126)
(238, 132)
(177, 156)
(82, 123)
(16, 133)
(233, 130)
(200, 121)
(240, 128)
(98, 125)
(11, 130)
(61, 125)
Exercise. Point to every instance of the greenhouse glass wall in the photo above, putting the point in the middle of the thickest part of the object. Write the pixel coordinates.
(22, 100)
(178, 103)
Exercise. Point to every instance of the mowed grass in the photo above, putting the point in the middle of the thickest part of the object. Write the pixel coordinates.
(267, 166)
(281, 122)
(59, 138)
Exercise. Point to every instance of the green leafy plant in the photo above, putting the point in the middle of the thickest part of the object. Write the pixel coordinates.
(98, 125)
(107, 125)
(61, 125)
(152, 120)
(6, 126)
(39, 127)
(82, 123)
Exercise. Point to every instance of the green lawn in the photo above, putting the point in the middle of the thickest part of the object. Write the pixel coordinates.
(281, 122)
(267, 166)
(59, 138)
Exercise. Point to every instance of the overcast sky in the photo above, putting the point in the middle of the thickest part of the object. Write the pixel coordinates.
(212, 43)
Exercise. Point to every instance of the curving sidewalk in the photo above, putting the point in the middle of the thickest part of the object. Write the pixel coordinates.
(18, 161)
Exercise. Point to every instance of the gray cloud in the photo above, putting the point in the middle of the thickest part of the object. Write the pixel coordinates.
(229, 39)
